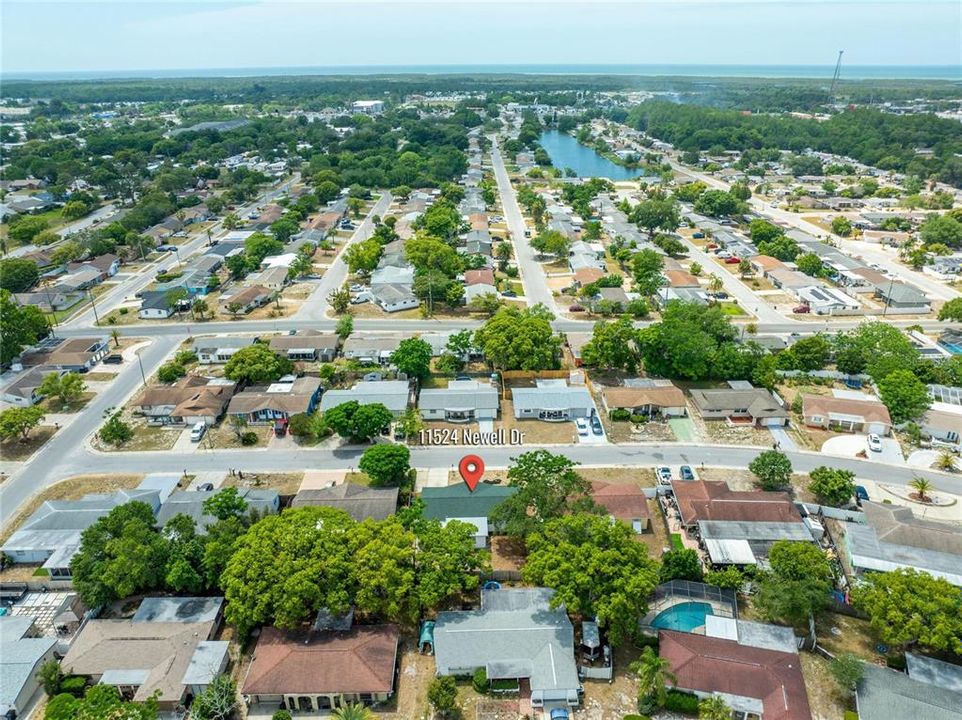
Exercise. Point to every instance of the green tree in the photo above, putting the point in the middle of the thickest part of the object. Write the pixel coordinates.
(430, 253)
(119, 555)
(448, 564)
(17, 422)
(922, 487)
(730, 577)
(66, 388)
(344, 327)
(951, 310)
(847, 669)
(646, 268)
(170, 372)
(798, 585)
(225, 504)
(762, 231)
(781, 247)
(20, 326)
(842, 226)
(905, 396)
(686, 342)
(654, 673)
(18, 274)
(680, 565)
(656, 214)
(548, 487)
(714, 708)
(569, 549)
(773, 470)
(907, 607)
(551, 242)
(443, 696)
(832, 486)
(386, 464)
(941, 229)
(613, 345)
(810, 264)
(257, 363)
(25, 229)
(519, 339)
(413, 358)
(115, 431)
(363, 256)
(357, 422)
(50, 677)
(99, 702)
(339, 300)
(259, 246)
(217, 701)
(355, 711)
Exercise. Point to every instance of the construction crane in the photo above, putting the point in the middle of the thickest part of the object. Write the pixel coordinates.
(838, 69)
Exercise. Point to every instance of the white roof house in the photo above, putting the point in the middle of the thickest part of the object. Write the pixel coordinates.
(826, 300)
(393, 394)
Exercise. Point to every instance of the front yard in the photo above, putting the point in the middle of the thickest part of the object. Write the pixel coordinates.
(17, 451)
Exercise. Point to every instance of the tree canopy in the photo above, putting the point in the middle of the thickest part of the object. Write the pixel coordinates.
(257, 363)
(519, 339)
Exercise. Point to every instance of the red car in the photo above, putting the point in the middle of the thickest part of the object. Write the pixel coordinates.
(801, 309)
(576, 308)
(732, 261)
(710, 246)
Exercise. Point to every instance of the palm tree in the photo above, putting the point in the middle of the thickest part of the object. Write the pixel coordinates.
(353, 712)
(921, 486)
(946, 461)
(653, 676)
(200, 307)
(714, 708)
(115, 334)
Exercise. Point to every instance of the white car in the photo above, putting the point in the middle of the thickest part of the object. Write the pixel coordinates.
(874, 443)
(582, 426)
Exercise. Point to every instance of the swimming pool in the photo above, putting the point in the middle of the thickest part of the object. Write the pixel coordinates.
(684, 616)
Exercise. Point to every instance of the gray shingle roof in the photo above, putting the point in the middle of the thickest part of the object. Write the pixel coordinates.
(884, 694)
(460, 395)
(356, 500)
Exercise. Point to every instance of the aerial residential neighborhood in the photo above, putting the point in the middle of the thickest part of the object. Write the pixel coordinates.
(425, 392)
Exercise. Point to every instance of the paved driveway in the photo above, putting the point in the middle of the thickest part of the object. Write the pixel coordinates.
(852, 445)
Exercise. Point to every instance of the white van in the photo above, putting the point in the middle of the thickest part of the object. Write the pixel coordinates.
(197, 432)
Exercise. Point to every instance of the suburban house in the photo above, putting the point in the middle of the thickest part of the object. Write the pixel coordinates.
(190, 400)
(306, 345)
(764, 264)
(273, 278)
(457, 502)
(515, 636)
(80, 279)
(393, 394)
(901, 297)
(681, 278)
(623, 502)
(826, 300)
(740, 404)
(51, 535)
(853, 414)
(737, 527)
(358, 501)
(651, 398)
(22, 652)
(191, 503)
(586, 276)
(106, 265)
(48, 301)
(168, 651)
(930, 689)
(77, 354)
(755, 681)
(789, 280)
(461, 401)
(154, 306)
(551, 400)
(247, 299)
(943, 424)
(370, 349)
(393, 297)
(24, 391)
(322, 670)
(211, 350)
(275, 403)
(893, 537)
(665, 295)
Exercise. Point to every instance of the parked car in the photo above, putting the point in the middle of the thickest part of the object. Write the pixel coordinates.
(355, 288)
(732, 260)
(698, 235)
(664, 475)
(359, 299)
(509, 293)
(280, 429)
(114, 359)
(559, 714)
(801, 309)
(197, 432)
(861, 493)
(686, 473)
(582, 426)
(166, 248)
(463, 377)
(874, 443)
(596, 427)
(575, 308)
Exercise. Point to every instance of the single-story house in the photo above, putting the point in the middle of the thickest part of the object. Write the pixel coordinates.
(306, 345)
(789, 280)
(154, 306)
(457, 502)
(826, 300)
(551, 400)
(80, 279)
(665, 295)
(172, 659)
(24, 391)
(370, 349)
(275, 403)
(866, 414)
(652, 400)
(392, 275)
(614, 295)
(219, 349)
(46, 301)
(515, 636)
(474, 291)
(76, 354)
(484, 276)
(358, 501)
(190, 400)
(322, 671)
(191, 503)
(681, 278)
(247, 298)
(624, 502)
(756, 405)
(51, 535)
(394, 297)
(765, 264)
(943, 423)
(893, 537)
(273, 278)
(22, 652)
(107, 265)
(752, 680)
(393, 394)
(586, 276)
(883, 694)
(901, 296)
(461, 401)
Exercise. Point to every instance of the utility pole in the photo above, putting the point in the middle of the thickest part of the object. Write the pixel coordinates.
(143, 375)
(94, 306)
(838, 70)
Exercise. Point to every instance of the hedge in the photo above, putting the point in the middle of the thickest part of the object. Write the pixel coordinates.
(682, 702)
(619, 415)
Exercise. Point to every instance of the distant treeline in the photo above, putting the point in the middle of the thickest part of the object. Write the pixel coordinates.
(875, 138)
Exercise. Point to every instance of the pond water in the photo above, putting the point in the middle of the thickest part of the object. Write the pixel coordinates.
(566, 152)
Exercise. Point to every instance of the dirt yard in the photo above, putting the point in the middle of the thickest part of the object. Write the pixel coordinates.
(824, 697)
(721, 433)
(612, 700)
(507, 553)
(223, 436)
(17, 451)
(283, 483)
(145, 437)
(538, 432)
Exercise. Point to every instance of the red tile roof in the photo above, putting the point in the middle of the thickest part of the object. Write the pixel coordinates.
(713, 500)
(716, 665)
(625, 502)
(359, 661)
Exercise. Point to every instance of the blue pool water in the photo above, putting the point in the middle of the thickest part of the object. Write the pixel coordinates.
(684, 617)
(953, 348)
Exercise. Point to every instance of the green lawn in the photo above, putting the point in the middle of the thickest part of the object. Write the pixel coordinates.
(730, 308)
(676, 543)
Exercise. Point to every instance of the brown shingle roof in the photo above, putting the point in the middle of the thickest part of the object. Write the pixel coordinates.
(625, 502)
(359, 661)
(767, 263)
(479, 277)
(633, 397)
(191, 395)
(714, 500)
(717, 665)
(296, 400)
(871, 411)
(586, 276)
(681, 278)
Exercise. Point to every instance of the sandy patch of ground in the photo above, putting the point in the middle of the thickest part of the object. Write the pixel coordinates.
(283, 483)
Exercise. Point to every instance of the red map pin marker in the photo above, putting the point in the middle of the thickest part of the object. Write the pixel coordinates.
(471, 468)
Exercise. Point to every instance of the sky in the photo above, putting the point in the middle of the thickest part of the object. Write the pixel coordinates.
(116, 35)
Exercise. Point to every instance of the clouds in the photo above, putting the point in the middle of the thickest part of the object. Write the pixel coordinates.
(45, 35)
